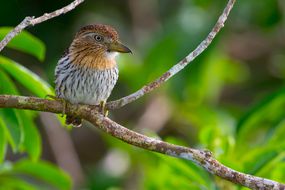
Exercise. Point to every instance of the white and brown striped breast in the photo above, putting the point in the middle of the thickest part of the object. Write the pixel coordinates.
(83, 84)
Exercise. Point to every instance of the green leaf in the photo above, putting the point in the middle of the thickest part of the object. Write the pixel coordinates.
(25, 42)
(3, 140)
(278, 174)
(278, 134)
(21, 130)
(256, 159)
(261, 105)
(260, 119)
(271, 166)
(44, 171)
(10, 117)
(13, 127)
(15, 183)
(175, 173)
(187, 170)
(32, 140)
(9, 87)
(26, 77)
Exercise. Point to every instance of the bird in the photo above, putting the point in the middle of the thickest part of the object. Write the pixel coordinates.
(87, 71)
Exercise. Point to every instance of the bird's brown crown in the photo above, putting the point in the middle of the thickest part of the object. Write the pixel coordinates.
(105, 30)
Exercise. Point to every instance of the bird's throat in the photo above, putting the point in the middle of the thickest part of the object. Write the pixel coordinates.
(93, 61)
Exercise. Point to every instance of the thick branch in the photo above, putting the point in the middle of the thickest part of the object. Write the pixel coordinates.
(33, 21)
(179, 66)
(200, 157)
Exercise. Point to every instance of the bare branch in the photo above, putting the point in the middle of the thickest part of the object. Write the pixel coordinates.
(33, 21)
(179, 66)
(201, 157)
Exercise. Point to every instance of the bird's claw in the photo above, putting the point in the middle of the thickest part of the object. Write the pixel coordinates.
(103, 108)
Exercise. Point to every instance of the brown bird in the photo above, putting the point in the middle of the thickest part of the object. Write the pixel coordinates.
(88, 72)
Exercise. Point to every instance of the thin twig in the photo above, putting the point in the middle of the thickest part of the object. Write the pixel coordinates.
(201, 157)
(179, 66)
(33, 21)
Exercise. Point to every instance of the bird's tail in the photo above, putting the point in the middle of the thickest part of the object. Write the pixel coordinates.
(74, 121)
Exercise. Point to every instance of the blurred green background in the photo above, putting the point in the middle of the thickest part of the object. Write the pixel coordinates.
(230, 100)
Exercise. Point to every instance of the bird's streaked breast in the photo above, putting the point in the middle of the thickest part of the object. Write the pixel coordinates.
(84, 85)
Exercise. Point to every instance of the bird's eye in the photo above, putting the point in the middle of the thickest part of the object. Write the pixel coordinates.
(98, 38)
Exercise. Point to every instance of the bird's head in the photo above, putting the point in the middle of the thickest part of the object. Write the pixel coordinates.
(96, 46)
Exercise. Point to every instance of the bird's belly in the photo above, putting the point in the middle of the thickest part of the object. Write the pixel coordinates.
(86, 86)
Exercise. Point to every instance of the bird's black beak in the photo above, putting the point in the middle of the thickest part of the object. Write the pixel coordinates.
(119, 47)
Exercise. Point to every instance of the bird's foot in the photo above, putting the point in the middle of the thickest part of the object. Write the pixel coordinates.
(103, 108)
(63, 101)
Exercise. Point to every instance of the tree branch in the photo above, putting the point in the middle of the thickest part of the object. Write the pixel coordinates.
(33, 21)
(179, 66)
(201, 157)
